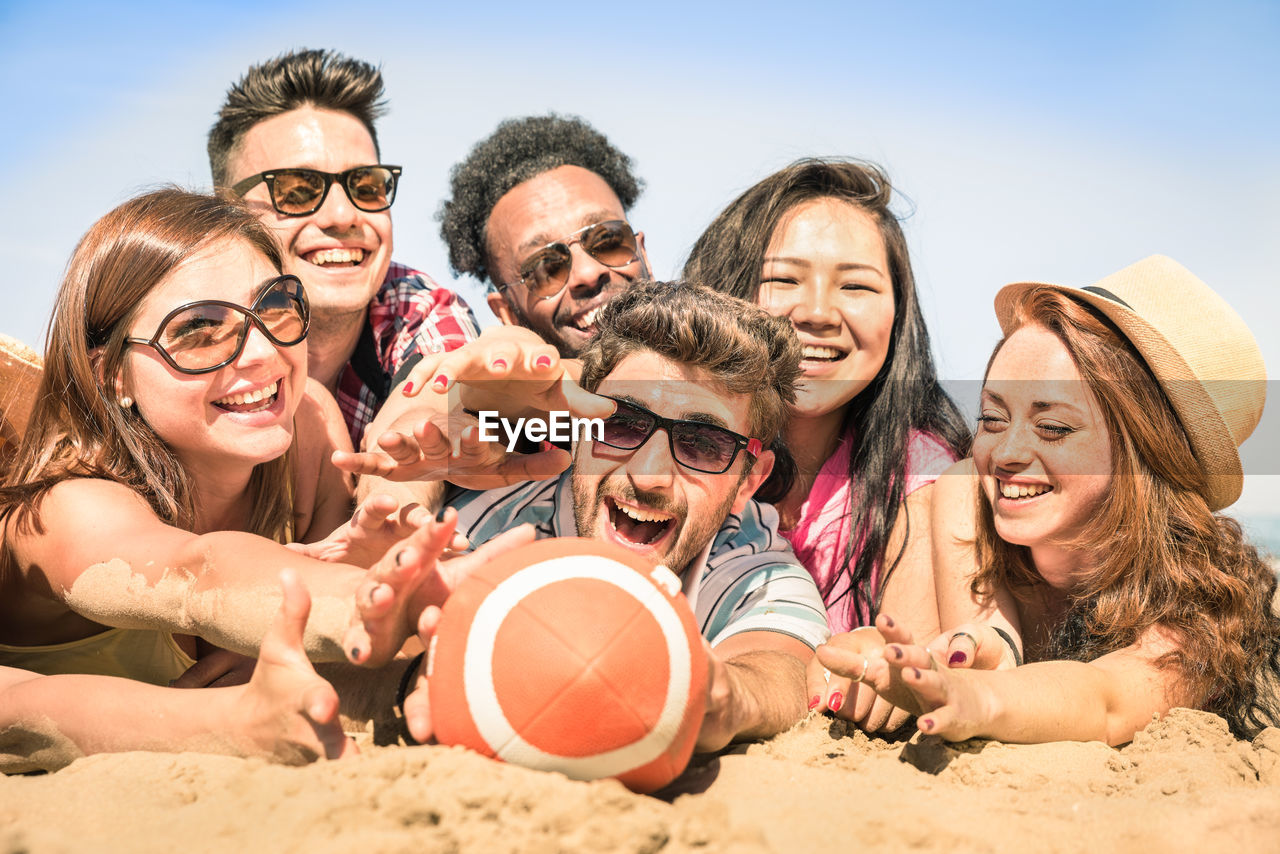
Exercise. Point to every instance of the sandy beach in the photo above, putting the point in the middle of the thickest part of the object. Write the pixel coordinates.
(1184, 784)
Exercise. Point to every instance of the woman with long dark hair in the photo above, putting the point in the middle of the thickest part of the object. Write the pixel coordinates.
(817, 243)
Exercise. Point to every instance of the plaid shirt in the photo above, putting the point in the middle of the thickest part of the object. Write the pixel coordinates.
(410, 315)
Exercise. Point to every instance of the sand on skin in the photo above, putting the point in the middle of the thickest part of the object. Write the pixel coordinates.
(1184, 784)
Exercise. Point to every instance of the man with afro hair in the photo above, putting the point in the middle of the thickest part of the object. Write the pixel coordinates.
(538, 211)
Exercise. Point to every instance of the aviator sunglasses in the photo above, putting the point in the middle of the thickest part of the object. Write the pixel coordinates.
(546, 272)
(695, 445)
(208, 334)
(300, 192)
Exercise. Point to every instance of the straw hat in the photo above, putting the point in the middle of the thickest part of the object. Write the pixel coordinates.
(1199, 349)
(19, 377)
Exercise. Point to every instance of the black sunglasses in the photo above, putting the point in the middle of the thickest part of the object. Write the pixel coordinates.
(300, 192)
(546, 272)
(208, 334)
(696, 445)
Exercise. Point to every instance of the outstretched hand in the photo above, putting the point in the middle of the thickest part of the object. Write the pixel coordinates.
(409, 578)
(509, 369)
(850, 678)
(416, 448)
(953, 703)
(377, 524)
(290, 712)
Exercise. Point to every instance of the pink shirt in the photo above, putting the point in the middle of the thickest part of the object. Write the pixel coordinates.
(820, 537)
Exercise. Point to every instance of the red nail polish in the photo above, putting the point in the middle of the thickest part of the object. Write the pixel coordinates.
(836, 701)
(441, 380)
(814, 701)
(542, 362)
(546, 446)
(926, 724)
(499, 364)
(957, 657)
(408, 388)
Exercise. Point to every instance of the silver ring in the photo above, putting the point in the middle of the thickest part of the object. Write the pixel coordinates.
(971, 638)
(866, 663)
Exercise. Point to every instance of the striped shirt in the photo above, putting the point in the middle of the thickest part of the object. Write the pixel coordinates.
(751, 580)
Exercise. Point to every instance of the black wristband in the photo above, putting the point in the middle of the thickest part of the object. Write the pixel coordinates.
(403, 691)
(1007, 638)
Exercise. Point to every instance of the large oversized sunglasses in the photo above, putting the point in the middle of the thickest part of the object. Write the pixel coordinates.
(208, 334)
(300, 192)
(546, 272)
(696, 445)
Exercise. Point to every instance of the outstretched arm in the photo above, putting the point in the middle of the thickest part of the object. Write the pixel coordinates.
(755, 689)
(285, 712)
(423, 435)
(111, 560)
(909, 596)
(1108, 699)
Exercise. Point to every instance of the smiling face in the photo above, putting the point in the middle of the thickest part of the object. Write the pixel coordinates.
(1043, 448)
(827, 271)
(643, 499)
(340, 253)
(237, 416)
(547, 209)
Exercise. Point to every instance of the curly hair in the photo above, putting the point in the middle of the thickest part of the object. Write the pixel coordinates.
(905, 394)
(323, 79)
(521, 149)
(1161, 557)
(746, 349)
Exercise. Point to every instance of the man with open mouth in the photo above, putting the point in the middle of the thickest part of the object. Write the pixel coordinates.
(295, 139)
(538, 211)
(701, 384)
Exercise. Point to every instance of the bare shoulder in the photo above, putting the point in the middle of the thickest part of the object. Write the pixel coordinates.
(960, 479)
(85, 521)
(319, 429)
(80, 503)
(319, 418)
(953, 500)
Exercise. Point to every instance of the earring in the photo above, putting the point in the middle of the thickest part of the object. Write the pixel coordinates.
(126, 402)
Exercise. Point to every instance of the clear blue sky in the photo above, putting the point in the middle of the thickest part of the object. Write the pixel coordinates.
(1050, 141)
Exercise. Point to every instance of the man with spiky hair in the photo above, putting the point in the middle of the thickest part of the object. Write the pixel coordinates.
(538, 211)
(295, 138)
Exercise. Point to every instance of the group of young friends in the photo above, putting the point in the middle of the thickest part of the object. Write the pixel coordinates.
(182, 568)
